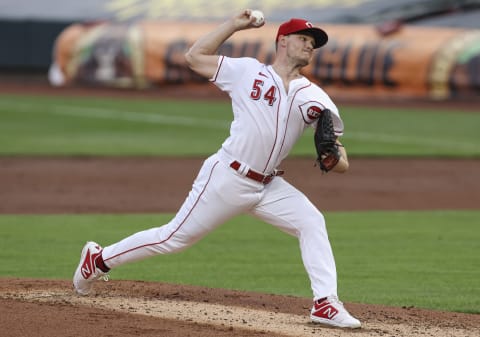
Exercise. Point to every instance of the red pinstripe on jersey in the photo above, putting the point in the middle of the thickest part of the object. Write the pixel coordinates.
(289, 112)
(214, 79)
(276, 127)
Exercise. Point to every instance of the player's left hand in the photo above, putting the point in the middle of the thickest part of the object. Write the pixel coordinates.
(326, 145)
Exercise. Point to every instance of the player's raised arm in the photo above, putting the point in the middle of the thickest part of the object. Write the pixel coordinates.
(201, 56)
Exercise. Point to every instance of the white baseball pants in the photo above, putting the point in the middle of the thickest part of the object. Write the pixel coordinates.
(219, 193)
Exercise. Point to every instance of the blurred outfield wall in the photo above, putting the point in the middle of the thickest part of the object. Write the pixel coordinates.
(378, 48)
(358, 61)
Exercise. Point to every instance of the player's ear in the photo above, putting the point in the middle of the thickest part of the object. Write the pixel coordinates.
(282, 41)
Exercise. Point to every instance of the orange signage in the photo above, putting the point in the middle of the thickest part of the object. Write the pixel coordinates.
(358, 61)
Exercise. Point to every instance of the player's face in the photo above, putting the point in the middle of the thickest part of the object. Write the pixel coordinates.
(300, 48)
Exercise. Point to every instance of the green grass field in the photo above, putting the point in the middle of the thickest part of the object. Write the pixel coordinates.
(99, 126)
(423, 259)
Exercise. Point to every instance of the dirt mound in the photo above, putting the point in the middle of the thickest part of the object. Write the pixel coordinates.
(123, 308)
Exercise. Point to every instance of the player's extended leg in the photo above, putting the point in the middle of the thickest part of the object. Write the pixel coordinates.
(217, 194)
(215, 197)
(285, 207)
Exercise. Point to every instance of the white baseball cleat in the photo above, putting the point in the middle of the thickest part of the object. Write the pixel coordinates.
(86, 271)
(330, 311)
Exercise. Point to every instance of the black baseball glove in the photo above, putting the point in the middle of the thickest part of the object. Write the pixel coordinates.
(325, 139)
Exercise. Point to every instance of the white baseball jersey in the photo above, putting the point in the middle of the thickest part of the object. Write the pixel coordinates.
(267, 122)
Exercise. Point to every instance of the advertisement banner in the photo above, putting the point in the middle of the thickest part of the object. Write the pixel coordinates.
(358, 61)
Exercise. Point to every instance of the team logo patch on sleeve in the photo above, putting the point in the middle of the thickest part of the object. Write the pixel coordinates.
(311, 111)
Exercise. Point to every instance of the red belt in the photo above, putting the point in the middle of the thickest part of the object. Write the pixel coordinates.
(261, 178)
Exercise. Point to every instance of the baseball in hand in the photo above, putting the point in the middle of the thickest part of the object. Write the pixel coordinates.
(259, 18)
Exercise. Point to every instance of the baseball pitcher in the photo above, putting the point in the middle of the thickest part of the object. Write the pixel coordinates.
(273, 104)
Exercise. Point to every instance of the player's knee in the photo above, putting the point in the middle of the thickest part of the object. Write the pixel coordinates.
(313, 223)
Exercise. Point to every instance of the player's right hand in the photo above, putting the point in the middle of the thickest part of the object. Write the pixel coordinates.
(243, 20)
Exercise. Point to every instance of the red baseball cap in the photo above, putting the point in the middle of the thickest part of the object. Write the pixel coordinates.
(303, 26)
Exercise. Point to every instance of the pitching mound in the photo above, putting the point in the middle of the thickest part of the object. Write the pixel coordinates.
(122, 308)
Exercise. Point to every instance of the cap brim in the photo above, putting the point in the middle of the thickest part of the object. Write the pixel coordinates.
(321, 38)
